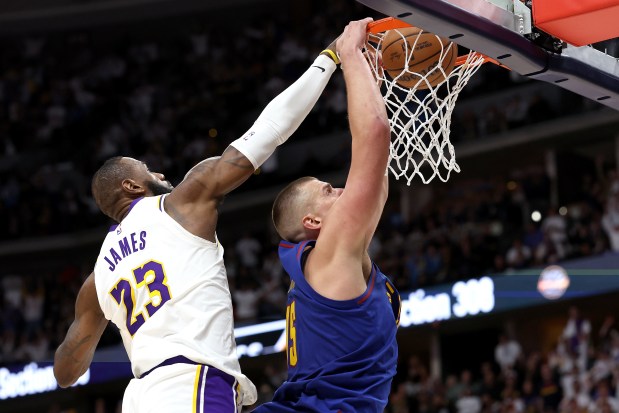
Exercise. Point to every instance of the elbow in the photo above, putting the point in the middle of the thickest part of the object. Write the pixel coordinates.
(63, 378)
(64, 373)
(380, 128)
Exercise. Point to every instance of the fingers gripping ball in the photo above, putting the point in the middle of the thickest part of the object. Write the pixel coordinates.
(409, 54)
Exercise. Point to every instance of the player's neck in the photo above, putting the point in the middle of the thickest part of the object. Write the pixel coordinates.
(122, 209)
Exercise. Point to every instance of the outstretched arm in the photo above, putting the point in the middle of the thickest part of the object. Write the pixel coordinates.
(193, 203)
(74, 355)
(347, 230)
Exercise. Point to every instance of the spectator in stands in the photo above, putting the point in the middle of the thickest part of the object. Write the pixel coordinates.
(555, 228)
(549, 389)
(8, 347)
(576, 333)
(510, 396)
(530, 397)
(33, 297)
(602, 367)
(546, 252)
(247, 294)
(490, 385)
(610, 220)
(398, 400)
(492, 121)
(468, 402)
(603, 401)
(533, 236)
(607, 332)
(248, 251)
(580, 393)
(518, 256)
(507, 353)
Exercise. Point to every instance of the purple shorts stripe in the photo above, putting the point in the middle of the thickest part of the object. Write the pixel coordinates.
(200, 374)
(219, 394)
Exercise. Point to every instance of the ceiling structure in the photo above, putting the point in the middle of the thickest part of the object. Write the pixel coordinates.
(20, 16)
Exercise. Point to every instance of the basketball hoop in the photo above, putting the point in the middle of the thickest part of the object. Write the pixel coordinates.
(420, 114)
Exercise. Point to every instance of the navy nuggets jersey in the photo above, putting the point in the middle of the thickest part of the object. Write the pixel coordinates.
(342, 355)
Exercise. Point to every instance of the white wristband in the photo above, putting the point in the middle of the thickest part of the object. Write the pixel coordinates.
(283, 115)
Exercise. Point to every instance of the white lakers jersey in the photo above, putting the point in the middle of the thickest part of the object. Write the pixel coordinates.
(167, 291)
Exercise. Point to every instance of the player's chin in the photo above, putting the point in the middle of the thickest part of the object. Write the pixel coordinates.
(160, 188)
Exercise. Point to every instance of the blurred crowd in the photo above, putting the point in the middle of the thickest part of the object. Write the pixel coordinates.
(497, 225)
(171, 96)
(176, 96)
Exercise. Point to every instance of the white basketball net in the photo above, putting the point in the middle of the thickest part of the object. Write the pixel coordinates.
(420, 116)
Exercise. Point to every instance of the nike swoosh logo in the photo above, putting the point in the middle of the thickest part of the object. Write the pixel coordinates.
(321, 68)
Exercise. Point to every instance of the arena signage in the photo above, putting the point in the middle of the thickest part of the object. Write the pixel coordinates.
(31, 379)
(463, 299)
(435, 304)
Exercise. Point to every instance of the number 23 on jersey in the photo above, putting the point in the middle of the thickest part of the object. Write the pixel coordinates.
(151, 275)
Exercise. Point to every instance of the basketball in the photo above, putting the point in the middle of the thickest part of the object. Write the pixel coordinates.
(424, 54)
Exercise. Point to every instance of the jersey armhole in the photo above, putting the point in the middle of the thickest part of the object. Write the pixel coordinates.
(351, 303)
(304, 256)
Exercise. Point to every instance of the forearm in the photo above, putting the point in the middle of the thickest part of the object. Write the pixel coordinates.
(369, 125)
(71, 361)
(366, 108)
(75, 353)
(283, 115)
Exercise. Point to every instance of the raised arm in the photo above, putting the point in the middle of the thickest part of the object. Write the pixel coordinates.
(74, 355)
(193, 203)
(347, 230)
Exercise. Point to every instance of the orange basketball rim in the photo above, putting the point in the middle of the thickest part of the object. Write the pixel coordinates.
(390, 23)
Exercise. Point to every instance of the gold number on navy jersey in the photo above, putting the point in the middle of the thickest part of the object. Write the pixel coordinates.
(291, 334)
(150, 275)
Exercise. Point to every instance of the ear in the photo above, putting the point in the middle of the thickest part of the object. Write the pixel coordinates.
(132, 187)
(312, 222)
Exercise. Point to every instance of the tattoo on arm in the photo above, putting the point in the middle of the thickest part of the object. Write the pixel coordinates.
(71, 349)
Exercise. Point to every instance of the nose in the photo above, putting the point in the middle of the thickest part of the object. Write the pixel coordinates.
(160, 176)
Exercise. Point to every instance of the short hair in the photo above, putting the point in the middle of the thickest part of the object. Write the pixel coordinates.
(107, 184)
(288, 211)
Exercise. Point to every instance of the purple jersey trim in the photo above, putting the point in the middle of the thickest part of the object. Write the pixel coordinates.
(169, 362)
(135, 201)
